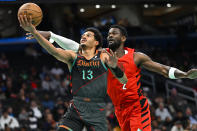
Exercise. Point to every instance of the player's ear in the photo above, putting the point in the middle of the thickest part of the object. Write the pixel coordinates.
(97, 43)
(123, 38)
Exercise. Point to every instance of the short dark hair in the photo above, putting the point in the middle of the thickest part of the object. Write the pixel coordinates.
(121, 28)
(97, 35)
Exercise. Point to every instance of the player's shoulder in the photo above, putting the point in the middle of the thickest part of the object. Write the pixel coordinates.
(139, 54)
(140, 57)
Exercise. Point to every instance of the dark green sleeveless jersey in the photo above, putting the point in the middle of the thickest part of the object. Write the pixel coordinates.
(89, 77)
(89, 89)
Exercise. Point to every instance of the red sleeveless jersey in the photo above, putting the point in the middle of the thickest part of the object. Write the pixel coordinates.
(130, 94)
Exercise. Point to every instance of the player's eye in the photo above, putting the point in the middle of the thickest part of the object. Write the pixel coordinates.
(89, 35)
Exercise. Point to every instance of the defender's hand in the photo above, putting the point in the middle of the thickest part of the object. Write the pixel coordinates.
(192, 74)
(45, 34)
(112, 60)
(29, 36)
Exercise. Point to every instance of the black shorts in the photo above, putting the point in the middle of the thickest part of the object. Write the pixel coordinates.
(73, 121)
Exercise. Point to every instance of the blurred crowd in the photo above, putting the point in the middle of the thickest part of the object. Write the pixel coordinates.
(35, 91)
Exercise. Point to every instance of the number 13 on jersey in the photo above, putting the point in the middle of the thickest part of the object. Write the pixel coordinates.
(87, 74)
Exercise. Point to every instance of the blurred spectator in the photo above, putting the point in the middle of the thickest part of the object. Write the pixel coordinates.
(33, 120)
(23, 115)
(7, 121)
(23, 118)
(24, 75)
(45, 71)
(30, 51)
(50, 123)
(123, 22)
(155, 125)
(176, 100)
(57, 70)
(22, 97)
(33, 97)
(189, 114)
(2, 91)
(37, 113)
(180, 117)
(33, 83)
(10, 111)
(162, 112)
(10, 92)
(47, 103)
(159, 100)
(4, 63)
(34, 73)
(55, 82)
(177, 127)
(194, 127)
(46, 83)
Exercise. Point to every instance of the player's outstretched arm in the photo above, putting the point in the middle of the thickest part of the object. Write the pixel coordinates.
(112, 62)
(60, 54)
(145, 61)
(63, 42)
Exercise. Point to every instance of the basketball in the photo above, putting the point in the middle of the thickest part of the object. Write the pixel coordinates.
(33, 10)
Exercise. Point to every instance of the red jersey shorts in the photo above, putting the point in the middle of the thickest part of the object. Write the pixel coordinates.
(129, 121)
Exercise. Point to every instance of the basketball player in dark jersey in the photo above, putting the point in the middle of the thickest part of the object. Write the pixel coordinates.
(89, 78)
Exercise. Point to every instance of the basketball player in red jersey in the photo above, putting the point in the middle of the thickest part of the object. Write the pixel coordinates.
(131, 106)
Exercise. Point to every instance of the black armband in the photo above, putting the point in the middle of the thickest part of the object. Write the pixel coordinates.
(118, 72)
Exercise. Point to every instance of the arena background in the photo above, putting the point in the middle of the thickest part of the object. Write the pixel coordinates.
(34, 86)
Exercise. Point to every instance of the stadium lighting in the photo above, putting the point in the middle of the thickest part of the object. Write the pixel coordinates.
(146, 5)
(82, 10)
(98, 6)
(169, 5)
(113, 6)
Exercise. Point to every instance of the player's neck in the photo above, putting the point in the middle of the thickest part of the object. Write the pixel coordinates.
(120, 51)
(88, 53)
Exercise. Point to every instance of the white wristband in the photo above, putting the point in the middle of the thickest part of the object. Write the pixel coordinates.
(171, 73)
(51, 38)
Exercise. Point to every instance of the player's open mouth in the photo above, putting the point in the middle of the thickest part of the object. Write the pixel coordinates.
(83, 40)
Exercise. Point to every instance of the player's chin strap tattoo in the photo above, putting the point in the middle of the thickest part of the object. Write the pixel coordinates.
(119, 74)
